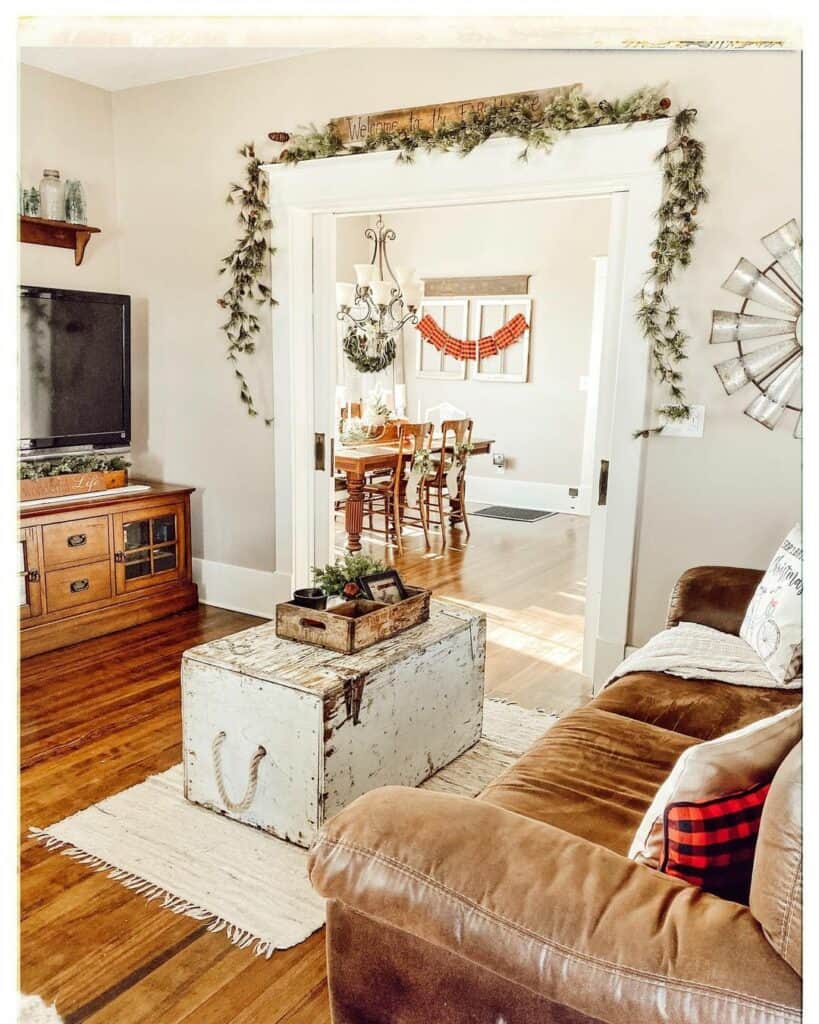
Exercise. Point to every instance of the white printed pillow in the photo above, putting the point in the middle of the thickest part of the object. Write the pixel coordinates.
(728, 764)
(773, 621)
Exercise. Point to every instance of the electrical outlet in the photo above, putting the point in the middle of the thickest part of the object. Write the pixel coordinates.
(691, 427)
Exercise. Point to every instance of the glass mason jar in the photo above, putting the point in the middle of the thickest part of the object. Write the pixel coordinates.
(52, 203)
(75, 204)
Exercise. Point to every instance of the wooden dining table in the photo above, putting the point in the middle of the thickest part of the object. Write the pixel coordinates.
(357, 460)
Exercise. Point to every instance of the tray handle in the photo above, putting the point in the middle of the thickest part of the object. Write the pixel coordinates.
(312, 624)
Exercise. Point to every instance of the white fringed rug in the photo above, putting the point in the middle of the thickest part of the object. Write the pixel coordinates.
(246, 883)
(32, 1010)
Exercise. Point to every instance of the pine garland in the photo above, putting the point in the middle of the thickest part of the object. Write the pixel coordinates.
(539, 127)
(92, 463)
(249, 266)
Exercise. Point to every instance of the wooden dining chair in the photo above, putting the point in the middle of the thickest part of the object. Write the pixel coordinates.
(387, 498)
(454, 433)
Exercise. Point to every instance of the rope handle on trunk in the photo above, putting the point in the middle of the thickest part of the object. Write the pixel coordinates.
(253, 775)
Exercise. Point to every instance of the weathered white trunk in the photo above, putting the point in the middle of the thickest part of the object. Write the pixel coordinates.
(299, 731)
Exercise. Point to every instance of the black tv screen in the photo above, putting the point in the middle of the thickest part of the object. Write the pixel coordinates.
(75, 368)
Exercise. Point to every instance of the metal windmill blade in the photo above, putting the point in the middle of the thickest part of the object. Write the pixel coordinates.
(775, 369)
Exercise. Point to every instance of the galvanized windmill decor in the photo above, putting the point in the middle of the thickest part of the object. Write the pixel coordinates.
(774, 369)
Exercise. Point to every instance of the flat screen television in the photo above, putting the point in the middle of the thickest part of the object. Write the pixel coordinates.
(75, 369)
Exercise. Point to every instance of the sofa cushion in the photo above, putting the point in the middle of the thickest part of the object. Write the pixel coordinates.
(776, 883)
(695, 707)
(711, 843)
(593, 774)
(727, 764)
(773, 621)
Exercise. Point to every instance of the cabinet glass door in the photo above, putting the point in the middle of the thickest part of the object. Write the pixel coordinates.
(150, 547)
(29, 594)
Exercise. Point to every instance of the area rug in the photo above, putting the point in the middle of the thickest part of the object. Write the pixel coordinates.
(32, 1010)
(518, 515)
(244, 882)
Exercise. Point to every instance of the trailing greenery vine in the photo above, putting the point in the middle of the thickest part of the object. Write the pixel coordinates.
(94, 463)
(248, 265)
(539, 128)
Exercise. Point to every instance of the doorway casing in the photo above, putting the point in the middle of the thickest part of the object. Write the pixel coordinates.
(616, 161)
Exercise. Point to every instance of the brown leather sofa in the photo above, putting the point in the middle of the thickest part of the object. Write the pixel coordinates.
(521, 906)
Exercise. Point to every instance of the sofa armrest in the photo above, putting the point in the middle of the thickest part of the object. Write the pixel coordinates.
(571, 921)
(713, 595)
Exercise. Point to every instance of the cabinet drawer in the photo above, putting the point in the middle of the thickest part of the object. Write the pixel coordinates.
(77, 585)
(79, 540)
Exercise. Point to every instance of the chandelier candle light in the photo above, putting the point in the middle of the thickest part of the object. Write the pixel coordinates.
(378, 306)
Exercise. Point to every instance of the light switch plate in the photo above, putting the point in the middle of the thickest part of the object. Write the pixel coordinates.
(691, 427)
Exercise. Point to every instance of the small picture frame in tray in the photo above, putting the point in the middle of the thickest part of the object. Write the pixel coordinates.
(385, 587)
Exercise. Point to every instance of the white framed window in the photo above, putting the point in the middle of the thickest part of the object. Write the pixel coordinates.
(452, 316)
(488, 314)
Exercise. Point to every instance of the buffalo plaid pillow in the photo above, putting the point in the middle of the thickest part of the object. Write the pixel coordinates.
(711, 844)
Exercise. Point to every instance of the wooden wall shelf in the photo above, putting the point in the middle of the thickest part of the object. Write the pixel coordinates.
(61, 233)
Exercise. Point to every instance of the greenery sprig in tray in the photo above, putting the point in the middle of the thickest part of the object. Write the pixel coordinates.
(71, 464)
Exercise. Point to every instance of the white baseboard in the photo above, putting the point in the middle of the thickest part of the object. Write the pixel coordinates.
(240, 589)
(497, 490)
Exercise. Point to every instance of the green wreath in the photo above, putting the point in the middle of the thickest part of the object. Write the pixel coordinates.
(355, 348)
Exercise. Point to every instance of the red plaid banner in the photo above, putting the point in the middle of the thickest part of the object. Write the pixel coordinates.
(711, 844)
(503, 337)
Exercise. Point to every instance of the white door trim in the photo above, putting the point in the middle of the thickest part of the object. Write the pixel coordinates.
(615, 160)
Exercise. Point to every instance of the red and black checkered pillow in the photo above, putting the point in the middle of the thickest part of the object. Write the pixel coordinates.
(711, 844)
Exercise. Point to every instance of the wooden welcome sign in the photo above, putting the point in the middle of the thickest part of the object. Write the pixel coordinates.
(353, 129)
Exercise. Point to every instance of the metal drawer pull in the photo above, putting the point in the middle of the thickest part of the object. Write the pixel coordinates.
(79, 585)
(237, 806)
(76, 540)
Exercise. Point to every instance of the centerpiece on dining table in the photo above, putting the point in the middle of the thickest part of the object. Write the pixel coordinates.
(370, 425)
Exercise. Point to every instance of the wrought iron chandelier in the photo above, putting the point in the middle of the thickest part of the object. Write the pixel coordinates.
(379, 305)
(774, 369)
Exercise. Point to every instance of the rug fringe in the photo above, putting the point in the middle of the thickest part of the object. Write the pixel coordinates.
(514, 704)
(240, 937)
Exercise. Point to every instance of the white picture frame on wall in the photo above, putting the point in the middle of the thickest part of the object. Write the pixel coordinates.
(452, 315)
(488, 313)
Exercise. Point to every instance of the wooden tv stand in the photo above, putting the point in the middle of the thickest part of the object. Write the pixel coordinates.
(93, 565)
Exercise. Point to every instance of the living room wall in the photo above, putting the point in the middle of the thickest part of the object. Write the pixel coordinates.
(67, 125)
(728, 498)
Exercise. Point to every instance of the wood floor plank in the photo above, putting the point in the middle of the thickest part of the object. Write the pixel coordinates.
(103, 715)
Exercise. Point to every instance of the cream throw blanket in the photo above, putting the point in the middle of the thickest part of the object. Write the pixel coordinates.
(692, 651)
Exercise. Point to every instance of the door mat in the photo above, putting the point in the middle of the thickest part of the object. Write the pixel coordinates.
(519, 515)
(242, 881)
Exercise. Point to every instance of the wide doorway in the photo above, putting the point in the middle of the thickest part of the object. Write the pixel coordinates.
(518, 548)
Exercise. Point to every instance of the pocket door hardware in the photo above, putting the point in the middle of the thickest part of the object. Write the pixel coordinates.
(603, 483)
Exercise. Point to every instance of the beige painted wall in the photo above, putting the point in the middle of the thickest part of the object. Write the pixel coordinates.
(67, 125)
(728, 498)
(539, 424)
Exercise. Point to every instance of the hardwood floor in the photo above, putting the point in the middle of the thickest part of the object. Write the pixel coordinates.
(101, 716)
(529, 579)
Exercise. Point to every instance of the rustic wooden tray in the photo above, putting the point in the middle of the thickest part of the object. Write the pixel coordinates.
(72, 483)
(354, 625)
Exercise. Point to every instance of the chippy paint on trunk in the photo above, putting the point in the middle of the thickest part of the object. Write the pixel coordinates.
(332, 726)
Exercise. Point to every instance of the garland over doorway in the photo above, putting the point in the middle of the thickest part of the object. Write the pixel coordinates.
(538, 126)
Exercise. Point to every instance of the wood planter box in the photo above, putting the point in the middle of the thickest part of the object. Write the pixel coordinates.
(71, 483)
(354, 625)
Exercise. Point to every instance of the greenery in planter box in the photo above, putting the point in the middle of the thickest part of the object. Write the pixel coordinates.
(350, 568)
(71, 464)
